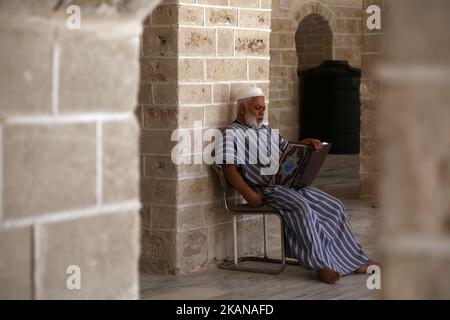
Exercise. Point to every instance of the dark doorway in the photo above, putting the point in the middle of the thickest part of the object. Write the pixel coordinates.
(330, 105)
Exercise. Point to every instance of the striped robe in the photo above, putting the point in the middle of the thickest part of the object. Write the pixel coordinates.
(317, 231)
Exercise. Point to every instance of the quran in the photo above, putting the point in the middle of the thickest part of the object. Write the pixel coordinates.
(299, 165)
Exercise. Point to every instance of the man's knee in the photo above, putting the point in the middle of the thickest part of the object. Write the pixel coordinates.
(335, 202)
(295, 199)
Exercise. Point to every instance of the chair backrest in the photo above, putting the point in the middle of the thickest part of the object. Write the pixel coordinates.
(223, 181)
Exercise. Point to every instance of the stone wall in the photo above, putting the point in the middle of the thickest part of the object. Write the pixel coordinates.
(200, 54)
(415, 184)
(69, 149)
(303, 33)
(371, 92)
(159, 115)
(313, 41)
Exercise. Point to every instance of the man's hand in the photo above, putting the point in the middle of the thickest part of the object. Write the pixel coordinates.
(317, 144)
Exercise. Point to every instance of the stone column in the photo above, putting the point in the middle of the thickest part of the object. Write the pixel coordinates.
(204, 52)
(159, 116)
(69, 149)
(415, 183)
(371, 93)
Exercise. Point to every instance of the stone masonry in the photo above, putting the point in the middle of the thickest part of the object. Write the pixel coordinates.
(370, 96)
(87, 116)
(304, 33)
(195, 56)
(69, 149)
(415, 181)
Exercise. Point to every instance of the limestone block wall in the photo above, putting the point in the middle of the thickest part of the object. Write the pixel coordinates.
(158, 115)
(196, 55)
(313, 41)
(371, 91)
(415, 183)
(303, 34)
(69, 149)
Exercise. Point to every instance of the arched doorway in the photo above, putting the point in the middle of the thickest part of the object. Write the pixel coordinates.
(313, 41)
(329, 106)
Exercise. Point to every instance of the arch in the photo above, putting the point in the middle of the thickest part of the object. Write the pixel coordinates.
(313, 41)
(314, 7)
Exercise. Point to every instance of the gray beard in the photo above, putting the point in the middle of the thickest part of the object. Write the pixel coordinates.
(252, 121)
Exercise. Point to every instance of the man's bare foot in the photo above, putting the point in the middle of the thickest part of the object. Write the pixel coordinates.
(328, 276)
(364, 267)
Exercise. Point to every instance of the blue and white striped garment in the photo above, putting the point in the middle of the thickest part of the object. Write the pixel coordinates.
(317, 231)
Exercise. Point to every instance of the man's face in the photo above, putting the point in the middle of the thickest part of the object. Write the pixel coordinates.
(254, 112)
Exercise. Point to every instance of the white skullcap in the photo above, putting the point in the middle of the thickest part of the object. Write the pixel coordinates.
(249, 93)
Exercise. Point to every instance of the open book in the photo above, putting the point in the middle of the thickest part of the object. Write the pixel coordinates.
(299, 165)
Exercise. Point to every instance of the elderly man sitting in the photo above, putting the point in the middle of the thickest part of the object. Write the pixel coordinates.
(317, 230)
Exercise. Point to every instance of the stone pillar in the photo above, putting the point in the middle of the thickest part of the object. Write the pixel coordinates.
(415, 182)
(159, 116)
(284, 111)
(313, 42)
(203, 52)
(69, 155)
(371, 92)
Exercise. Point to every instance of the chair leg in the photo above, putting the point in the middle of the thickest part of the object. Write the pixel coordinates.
(235, 240)
(234, 265)
(265, 236)
(283, 254)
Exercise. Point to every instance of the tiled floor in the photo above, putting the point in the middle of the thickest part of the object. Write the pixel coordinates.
(339, 177)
